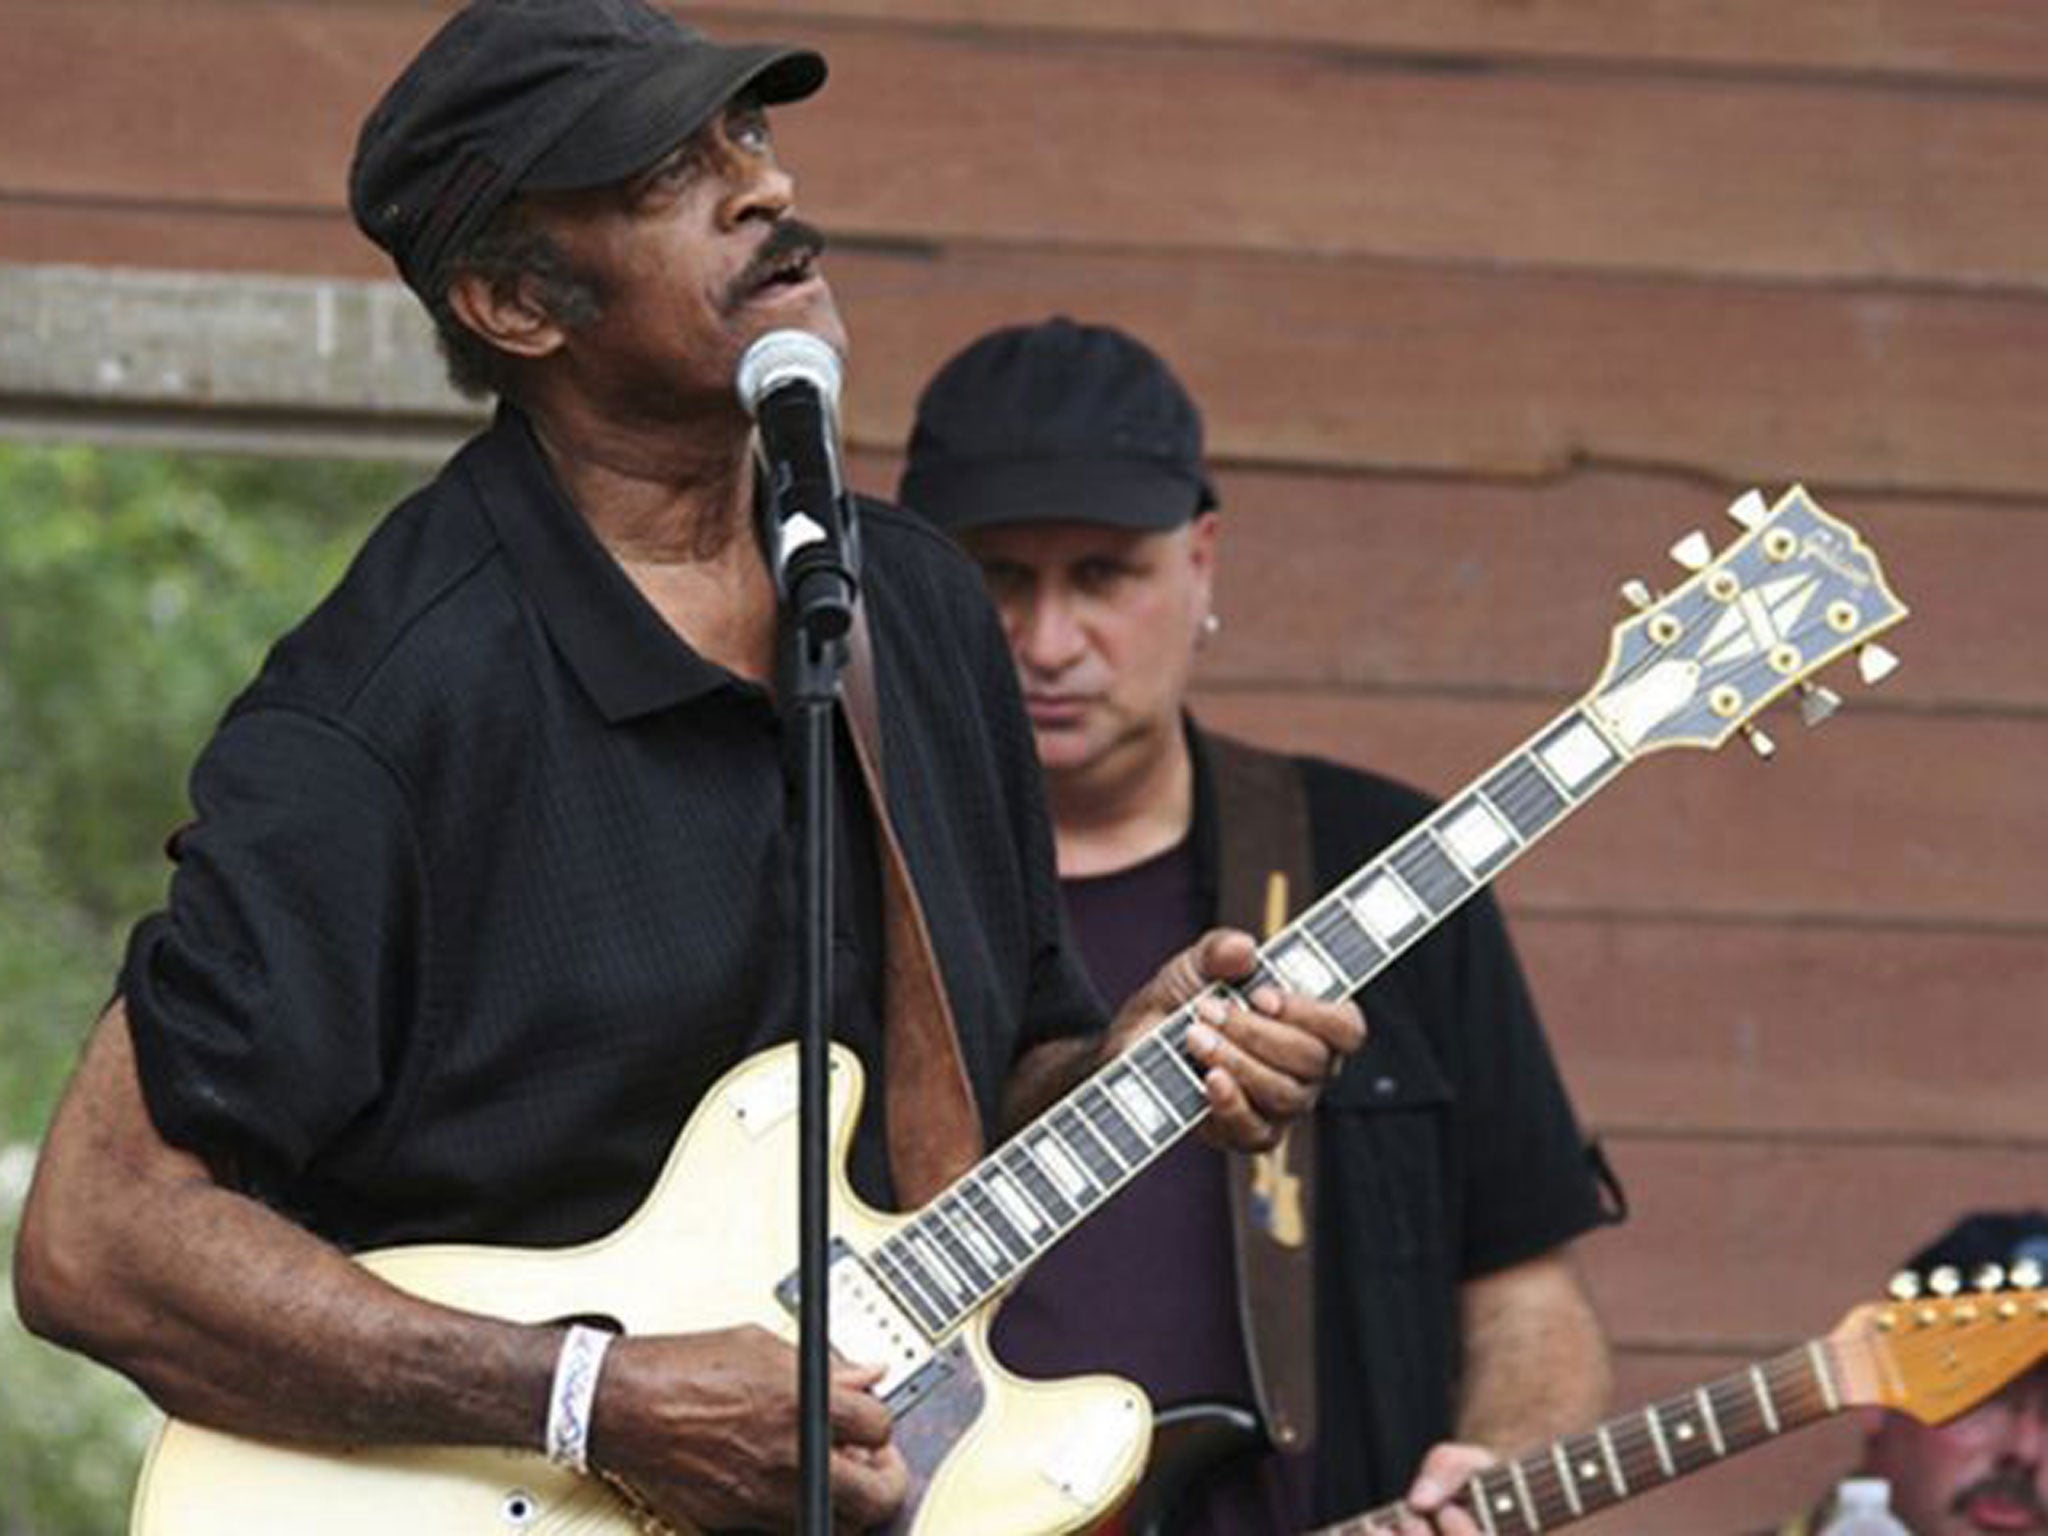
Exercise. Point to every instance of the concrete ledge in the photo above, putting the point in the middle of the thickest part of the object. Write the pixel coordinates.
(224, 361)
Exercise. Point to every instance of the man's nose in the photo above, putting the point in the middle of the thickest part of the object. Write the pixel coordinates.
(1050, 637)
(759, 189)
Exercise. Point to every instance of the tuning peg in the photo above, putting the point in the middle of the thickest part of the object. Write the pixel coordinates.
(1875, 663)
(1817, 703)
(1693, 551)
(1748, 509)
(2026, 1275)
(1988, 1277)
(1636, 594)
(1760, 743)
(1945, 1281)
(1904, 1286)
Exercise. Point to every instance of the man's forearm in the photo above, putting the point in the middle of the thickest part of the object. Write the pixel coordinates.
(228, 1315)
(1045, 1072)
(1536, 1363)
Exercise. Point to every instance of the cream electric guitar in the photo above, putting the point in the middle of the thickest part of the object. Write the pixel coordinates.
(714, 1245)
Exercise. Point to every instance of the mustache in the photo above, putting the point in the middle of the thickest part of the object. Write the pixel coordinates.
(789, 237)
(2013, 1484)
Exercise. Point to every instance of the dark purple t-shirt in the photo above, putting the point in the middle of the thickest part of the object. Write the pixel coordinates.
(1146, 1288)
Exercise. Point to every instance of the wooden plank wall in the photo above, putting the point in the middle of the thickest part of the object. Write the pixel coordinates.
(1486, 304)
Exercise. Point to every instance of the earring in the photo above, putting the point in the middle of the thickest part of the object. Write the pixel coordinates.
(1211, 625)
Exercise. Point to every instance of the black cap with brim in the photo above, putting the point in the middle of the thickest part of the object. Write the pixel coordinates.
(1145, 495)
(626, 131)
(1056, 422)
(517, 95)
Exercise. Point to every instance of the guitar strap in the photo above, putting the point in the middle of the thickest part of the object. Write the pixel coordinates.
(1264, 852)
(934, 1130)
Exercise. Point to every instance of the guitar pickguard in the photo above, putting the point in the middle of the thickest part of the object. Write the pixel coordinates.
(934, 1424)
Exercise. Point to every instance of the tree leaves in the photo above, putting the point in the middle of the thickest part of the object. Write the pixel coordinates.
(138, 592)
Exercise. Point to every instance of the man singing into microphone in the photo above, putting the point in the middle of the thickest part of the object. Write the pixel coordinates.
(489, 878)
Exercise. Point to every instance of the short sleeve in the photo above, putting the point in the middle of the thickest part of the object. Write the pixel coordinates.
(1529, 1182)
(266, 997)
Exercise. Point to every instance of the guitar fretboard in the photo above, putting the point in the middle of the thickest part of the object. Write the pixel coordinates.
(1638, 1452)
(994, 1221)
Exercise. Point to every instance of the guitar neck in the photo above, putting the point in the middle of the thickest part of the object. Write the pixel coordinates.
(1639, 1452)
(993, 1223)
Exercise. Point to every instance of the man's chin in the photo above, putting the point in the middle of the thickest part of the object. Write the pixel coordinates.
(1063, 749)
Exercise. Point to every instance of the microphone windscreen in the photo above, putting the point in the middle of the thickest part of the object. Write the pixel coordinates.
(786, 357)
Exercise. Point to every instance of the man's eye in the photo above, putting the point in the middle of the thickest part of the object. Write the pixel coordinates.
(1004, 583)
(748, 128)
(1098, 575)
(678, 170)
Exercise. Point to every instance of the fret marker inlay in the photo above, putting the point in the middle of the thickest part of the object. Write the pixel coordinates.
(1304, 969)
(1143, 1109)
(1575, 754)
(1015, 1204)
(1475, 835)
(1385, 909)
(1073, 1184)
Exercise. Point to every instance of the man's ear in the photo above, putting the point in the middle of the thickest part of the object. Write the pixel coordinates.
(506, 313)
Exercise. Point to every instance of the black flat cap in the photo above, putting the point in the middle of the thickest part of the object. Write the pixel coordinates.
(1056, 422)
(541, 95)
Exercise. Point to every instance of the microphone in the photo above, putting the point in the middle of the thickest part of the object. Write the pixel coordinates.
(789, 382)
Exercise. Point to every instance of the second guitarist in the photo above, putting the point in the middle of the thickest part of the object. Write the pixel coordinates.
(1402, 1277)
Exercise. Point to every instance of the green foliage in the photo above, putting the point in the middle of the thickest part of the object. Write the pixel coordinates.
(71, 1436)
(137, 594)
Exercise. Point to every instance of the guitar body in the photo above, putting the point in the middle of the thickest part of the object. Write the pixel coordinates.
(991, 1453)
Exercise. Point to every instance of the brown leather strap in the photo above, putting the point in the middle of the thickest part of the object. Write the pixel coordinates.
(1264, 860)
(934, 1129)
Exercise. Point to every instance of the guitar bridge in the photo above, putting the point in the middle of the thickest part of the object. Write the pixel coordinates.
(869, 1326)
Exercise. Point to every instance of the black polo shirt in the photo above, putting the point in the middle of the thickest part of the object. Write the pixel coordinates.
(492, 876)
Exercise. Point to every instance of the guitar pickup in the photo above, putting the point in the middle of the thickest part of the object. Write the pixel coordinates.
(869, 1326)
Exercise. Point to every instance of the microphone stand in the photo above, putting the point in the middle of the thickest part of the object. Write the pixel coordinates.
(817, 611)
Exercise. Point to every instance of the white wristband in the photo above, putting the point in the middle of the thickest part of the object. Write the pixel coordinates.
(574, 1390)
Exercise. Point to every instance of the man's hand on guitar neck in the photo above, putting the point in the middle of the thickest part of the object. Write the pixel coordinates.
(1428, 1509)
(723, 1453)
(1264, 1064)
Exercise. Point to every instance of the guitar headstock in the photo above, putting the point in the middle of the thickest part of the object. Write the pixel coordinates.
(1939, 1355)
(1796, 591)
